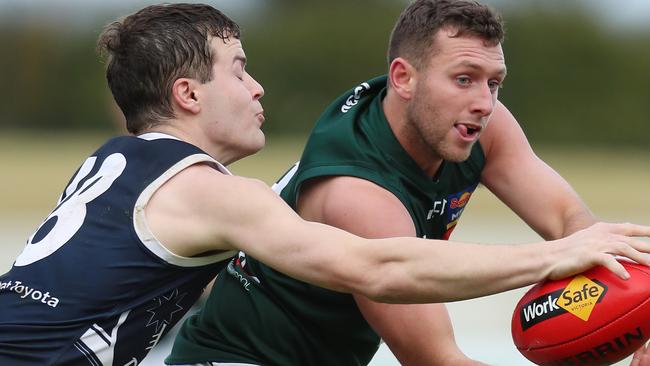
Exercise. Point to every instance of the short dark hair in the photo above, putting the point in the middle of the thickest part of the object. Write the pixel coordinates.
(146, 52)
(413, 35)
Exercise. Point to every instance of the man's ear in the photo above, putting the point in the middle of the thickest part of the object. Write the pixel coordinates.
(402, 77)
(184, 95)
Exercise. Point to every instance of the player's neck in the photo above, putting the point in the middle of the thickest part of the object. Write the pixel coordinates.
(185, 132)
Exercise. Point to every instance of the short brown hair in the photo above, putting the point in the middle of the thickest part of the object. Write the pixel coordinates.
(413, 35)
(150, 49)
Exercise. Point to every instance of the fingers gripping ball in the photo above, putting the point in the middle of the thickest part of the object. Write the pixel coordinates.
(593, 318)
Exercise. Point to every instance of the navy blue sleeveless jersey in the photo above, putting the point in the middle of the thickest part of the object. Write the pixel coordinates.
(93, 286)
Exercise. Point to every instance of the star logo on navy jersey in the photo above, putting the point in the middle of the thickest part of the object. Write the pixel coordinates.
(164, 309)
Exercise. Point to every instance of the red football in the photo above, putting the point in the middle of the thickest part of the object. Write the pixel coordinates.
(593, 318)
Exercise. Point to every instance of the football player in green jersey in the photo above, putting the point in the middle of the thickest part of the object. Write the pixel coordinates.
(395, 156)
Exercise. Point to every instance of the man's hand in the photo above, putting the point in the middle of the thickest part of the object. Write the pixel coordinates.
(598, 245)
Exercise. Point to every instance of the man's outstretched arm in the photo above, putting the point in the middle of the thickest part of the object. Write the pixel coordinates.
(200, 211)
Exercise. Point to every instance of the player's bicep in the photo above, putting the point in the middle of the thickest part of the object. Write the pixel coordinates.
(202, 211)
(525, 183)
(355, 205)
(507, 154)
(249, 214)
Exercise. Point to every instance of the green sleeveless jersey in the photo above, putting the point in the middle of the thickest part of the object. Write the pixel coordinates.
(258, 315)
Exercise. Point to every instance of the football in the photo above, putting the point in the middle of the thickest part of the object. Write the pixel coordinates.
(594, 318)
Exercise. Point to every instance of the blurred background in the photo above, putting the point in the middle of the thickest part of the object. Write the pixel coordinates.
(578, 82)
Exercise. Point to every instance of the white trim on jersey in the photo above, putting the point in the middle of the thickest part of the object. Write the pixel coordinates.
(279, 185)
(97, 345)
(144, 232)
(149, 136)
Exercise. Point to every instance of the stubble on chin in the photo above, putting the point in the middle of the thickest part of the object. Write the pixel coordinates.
(426, 130)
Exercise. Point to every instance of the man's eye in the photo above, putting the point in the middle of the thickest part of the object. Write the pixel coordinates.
(463, 80)
(495, 85)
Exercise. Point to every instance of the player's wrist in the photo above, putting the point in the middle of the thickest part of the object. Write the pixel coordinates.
(541, 259)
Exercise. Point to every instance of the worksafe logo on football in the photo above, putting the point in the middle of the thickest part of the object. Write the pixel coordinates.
(579, 298)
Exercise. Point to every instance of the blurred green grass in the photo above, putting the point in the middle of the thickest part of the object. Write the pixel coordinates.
(36, 167)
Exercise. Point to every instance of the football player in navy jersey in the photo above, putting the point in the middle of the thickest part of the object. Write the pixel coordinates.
(149, 219)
